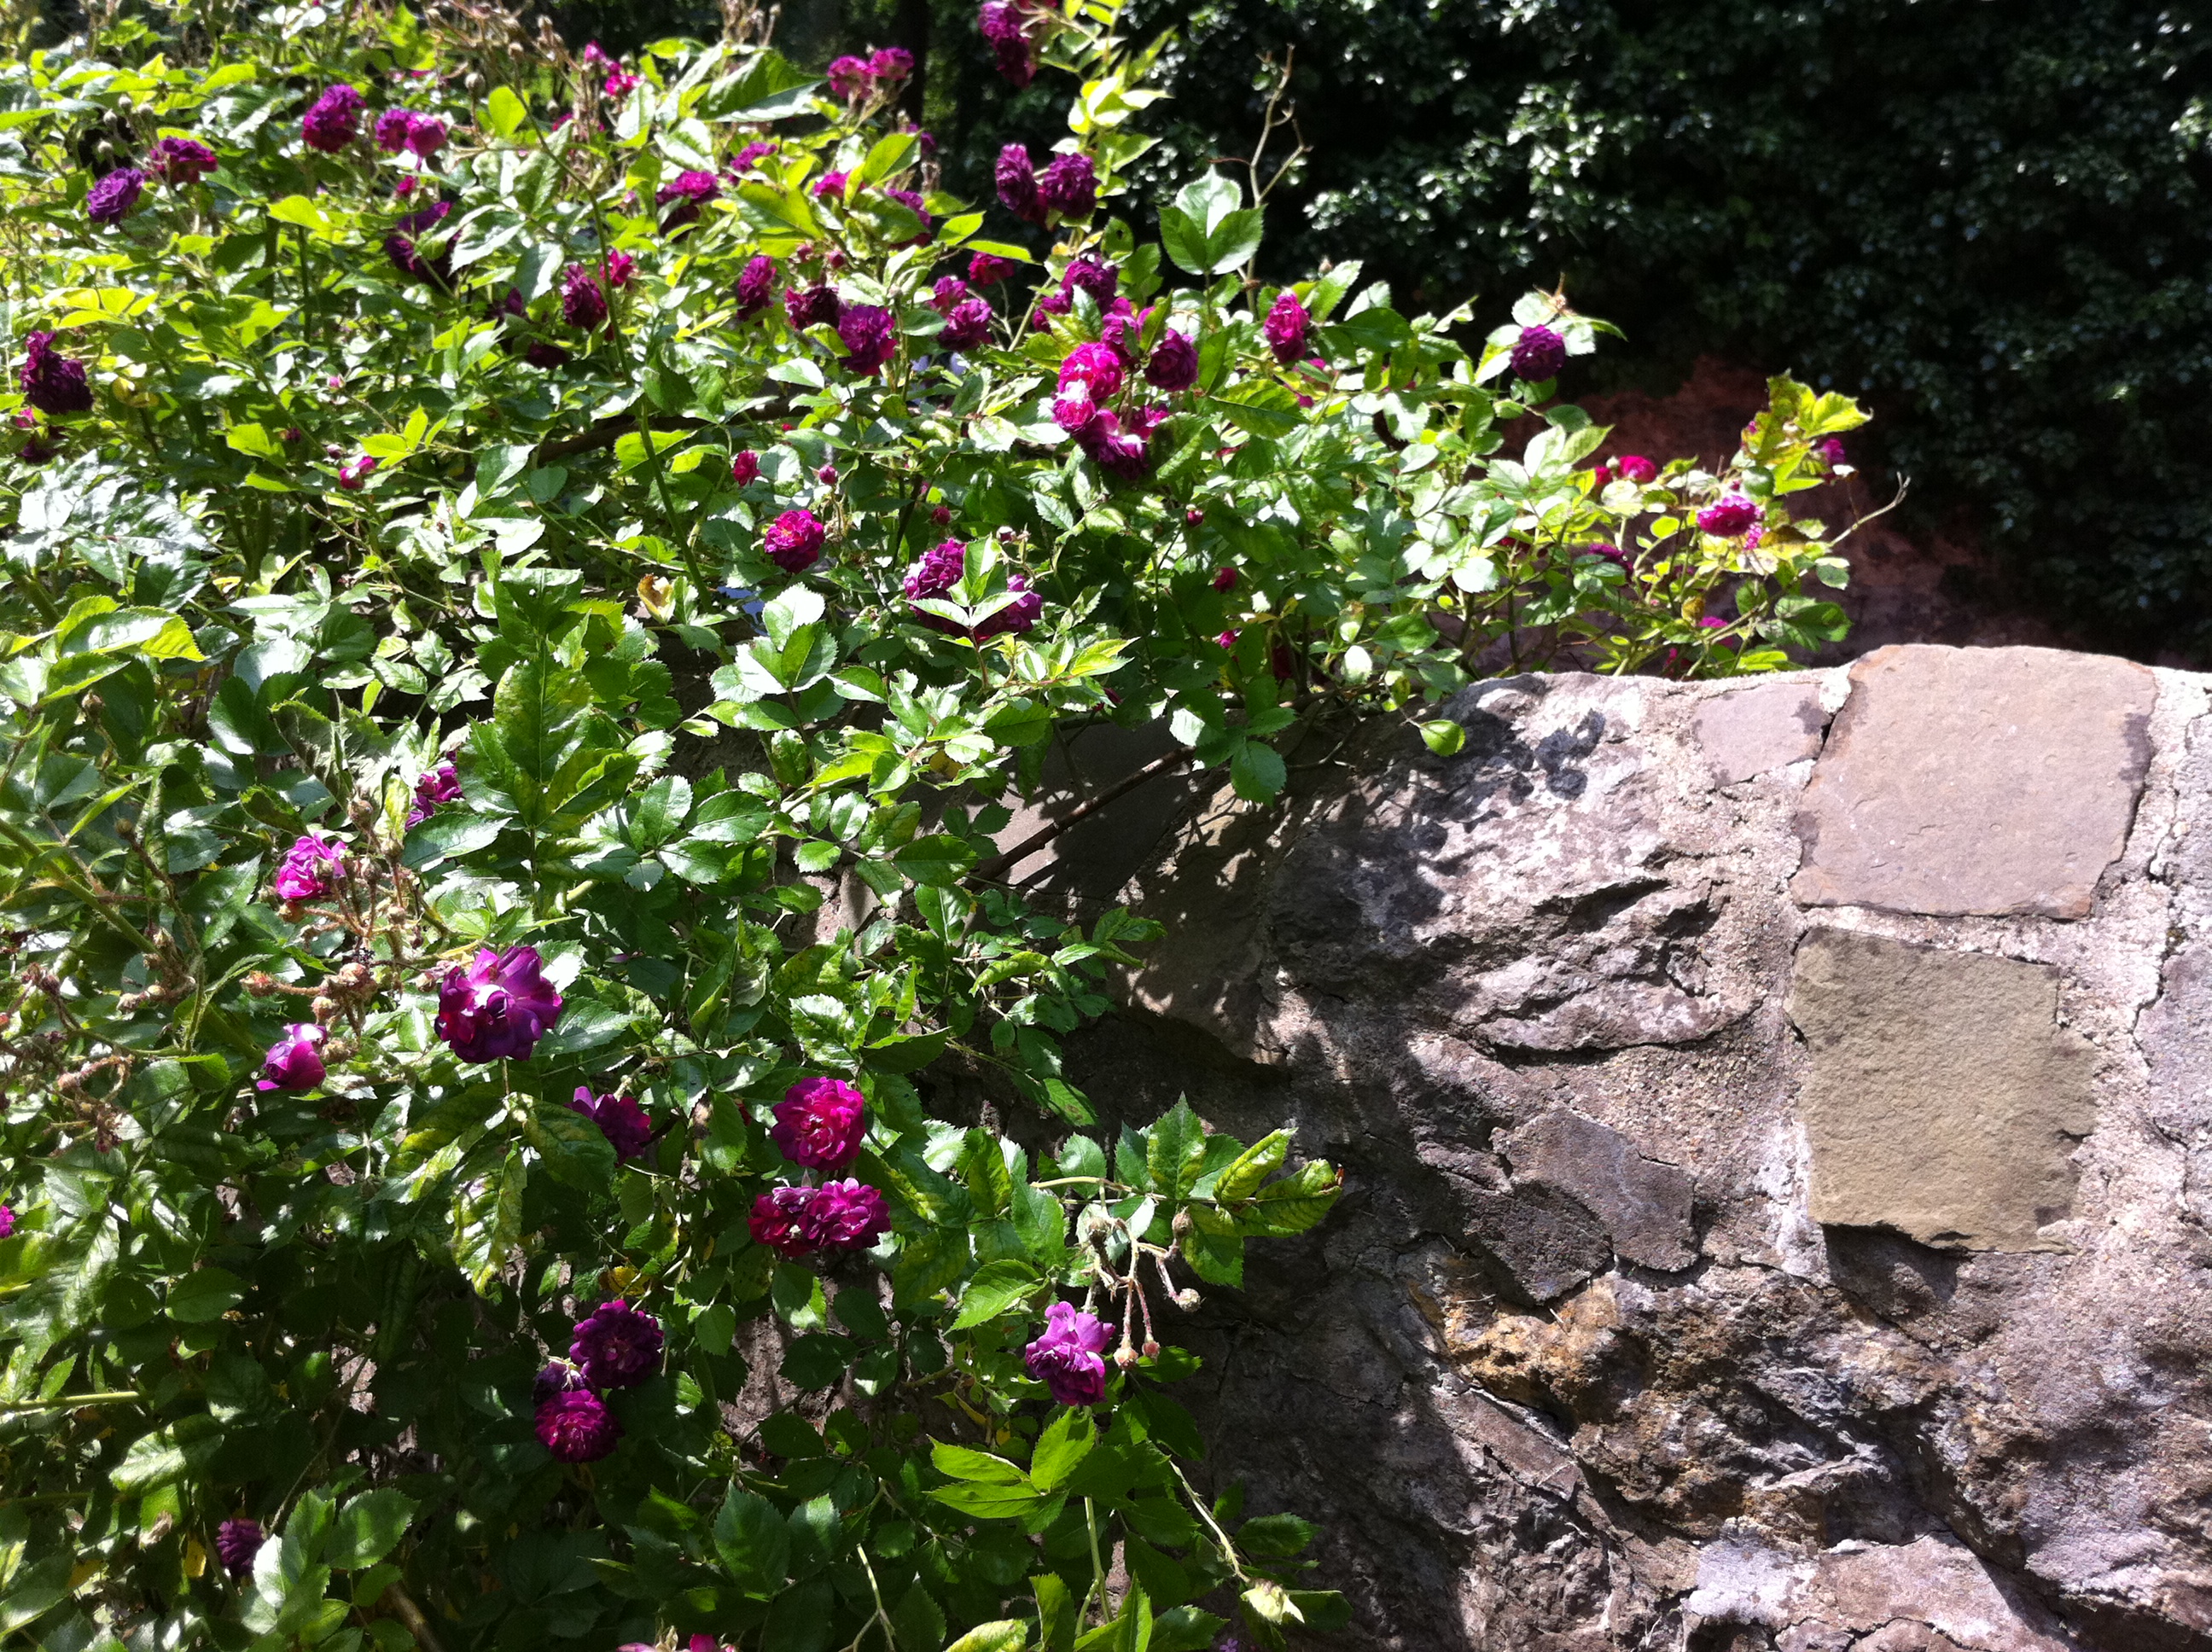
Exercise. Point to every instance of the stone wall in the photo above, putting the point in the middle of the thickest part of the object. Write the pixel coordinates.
(1772, 1113)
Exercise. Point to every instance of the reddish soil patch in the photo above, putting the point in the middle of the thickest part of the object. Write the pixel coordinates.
(1906, 586)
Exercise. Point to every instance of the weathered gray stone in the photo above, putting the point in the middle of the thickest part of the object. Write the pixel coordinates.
(1644, 1204)
(1976, 781)
(1747, 732)
(1943, 1099)
(1515, 1442)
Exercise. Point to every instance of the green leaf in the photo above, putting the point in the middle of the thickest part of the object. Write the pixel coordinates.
(1006, 1635)
(1176, 1151)
(205, 1294)
(369, 1528)
(1443, 737)
(963, 1463)
(1257, 773)
(753, 1542)
(986, 1502)
(1252, 1167)
(1065, 1441)
(918, 1621)
(504, 113)
(939, 859)
(1292, 1205)
(997, 1287)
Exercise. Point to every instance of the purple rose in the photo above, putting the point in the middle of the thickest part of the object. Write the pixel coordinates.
(559, 1376)
(811, 306)
(890, 63)
(1120, 329)
(391, 130)
(938, 572)
(1088, 275)
(1224, 579)
(577, 1428)
(619, 85)
(426, 136)
(1173, 366)
(1073, 414)
(849, 78)
(1636, 468)
(541, 354)
(966, 325)
(1067, 1359)
(236, 1543)
(1119, 446)
(404, 244)
(914, 204)
(620, 267)
(1538, 354)
(310, 868)
(1287, 326)
(583, 300)
(1018, 184)
(989, 269)
(941, 568)
(440, 786)
(620, 1119)
(745, 468)
(51, 382)
(294, 1062)
(870, 336)
(1000, 22)
(691, 190)
(751, 153)
(1069, 186)
(499, 1007)
(1731, 514)
(354, 474)
(830, 186)
(616, 1345)
(754, 285)
(794, 541)
(779, 1220)
(332, 121)
(820, 1123)
(110, 200)
(949, 291)
(847, 1215)
(1830, 452)
(1095, 368)
(178, 162)
(7, 1221)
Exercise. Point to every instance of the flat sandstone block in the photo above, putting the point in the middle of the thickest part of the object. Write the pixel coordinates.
(1944, 1100)
(1983, 781)
(1750, 731)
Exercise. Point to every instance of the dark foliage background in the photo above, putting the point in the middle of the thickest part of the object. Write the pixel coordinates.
(1991, 221)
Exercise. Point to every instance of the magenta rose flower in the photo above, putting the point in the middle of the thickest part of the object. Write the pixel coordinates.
(820, 1123)
(967, 324)
(689, 191)
(948, 291)
(294, 1061)
(333, 120)
(499, 1006)
(440, 787)
(1087, 275)
(849, 78)
(354, 474)
(179, 161)
(620, 267)
(616, 1345)
(941, 568)
(756, 282)
(310, 868)
(779, 1220)
(577, 1428)
(404, 244)
(1636, 468)
(1120, 447)
(890, 63)
(426, 136)
(989, 269)
(1095, 367)
(620, 1119)
(110, 200)
(51, 381)
(391, 130)
(1538, 354)
(1069, 186)
(870, 336)
(1173, 366)
(1000, 22)
(847, 1215)
(830, 186)
(1018, 184)
(539, 353)
(236, 1543)
(1830, 452)
(583, 300)
(794, 541)
(1286, 327)
(7, 1221)
(559, 1376)
(811, 306)
(1731, 514)
(749, 156)
(1068, 1359)
(1224, 579)
(745, 469)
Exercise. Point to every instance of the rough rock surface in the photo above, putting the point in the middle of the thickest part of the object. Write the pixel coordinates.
(1779, 1152)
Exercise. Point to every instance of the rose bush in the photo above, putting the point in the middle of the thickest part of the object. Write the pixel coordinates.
(511, 734)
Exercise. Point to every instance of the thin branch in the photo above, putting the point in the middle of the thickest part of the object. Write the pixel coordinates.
(990, 870)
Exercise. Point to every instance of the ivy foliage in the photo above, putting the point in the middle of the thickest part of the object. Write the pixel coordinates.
(522, 640)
